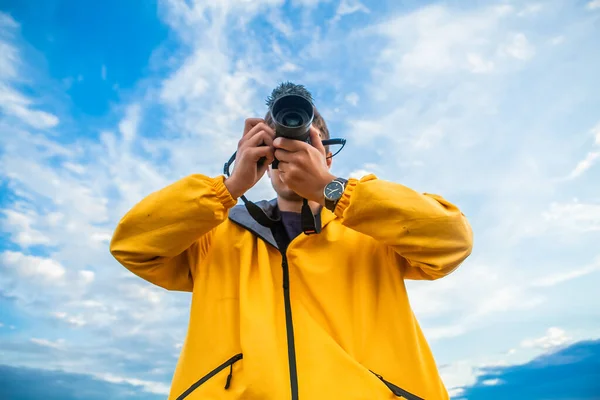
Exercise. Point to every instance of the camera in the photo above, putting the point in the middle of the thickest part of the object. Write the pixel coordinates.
(292, 116)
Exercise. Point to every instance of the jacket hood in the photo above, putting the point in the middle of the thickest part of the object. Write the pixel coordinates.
(240, 215)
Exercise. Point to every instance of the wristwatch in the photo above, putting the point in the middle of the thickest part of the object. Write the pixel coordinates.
(333, 192)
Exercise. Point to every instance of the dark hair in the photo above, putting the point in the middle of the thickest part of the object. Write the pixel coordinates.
(318, 122)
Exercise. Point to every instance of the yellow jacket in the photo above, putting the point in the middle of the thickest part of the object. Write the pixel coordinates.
(329, 319)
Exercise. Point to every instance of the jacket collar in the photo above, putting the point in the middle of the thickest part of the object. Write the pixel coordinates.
(239, 214)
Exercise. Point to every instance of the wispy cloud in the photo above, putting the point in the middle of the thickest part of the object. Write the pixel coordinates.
(593, 5)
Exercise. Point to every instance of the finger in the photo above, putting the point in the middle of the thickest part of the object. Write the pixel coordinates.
(256, 153)
(261, 126)
(283, 155)
(289, 144)
(251, 123)
(315, 140)
(259, 139)
(283, 166)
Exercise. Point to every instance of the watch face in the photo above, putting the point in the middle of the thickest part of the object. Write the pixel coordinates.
(334, 190)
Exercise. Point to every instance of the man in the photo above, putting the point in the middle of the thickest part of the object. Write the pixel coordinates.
(277, 314)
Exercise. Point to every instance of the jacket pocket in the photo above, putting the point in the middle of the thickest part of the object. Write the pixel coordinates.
(398, 391)
(229, 363)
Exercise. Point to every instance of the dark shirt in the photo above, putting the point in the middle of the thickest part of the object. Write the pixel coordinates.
(292, 222)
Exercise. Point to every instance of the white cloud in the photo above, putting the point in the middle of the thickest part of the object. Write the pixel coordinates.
(19, 106)
(309, 3)
(596, 132)
(347, 7)
(567, 275)
(435, 41)
(584, 164)
(32, 266)
(574, 216)
(518, 47)
(280, 23)
(530, 9)
(73, 320)
(289, 67)
(478, 65)
(129, 125)
(353, 98)
(87, 276)
(594, 4)
(555, 41)
(442, 332)
(21, 224)
(148, 386)
(76, 168)
(58, 344)
(8, 60)
(554, 337)
(491, 382)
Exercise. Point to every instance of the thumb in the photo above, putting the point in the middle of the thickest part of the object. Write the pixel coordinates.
(315, 140)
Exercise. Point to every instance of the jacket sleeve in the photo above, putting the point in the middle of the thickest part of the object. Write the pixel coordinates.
(429, 235)
(162, 236)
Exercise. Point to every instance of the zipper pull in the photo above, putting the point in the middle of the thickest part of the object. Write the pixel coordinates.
(229, 376)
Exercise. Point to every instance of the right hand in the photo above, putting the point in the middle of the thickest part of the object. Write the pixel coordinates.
(255, 144)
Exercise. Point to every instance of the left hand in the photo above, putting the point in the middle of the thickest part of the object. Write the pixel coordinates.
(303, 167)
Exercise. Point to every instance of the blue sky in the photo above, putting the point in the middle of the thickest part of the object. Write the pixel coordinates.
(491, 104)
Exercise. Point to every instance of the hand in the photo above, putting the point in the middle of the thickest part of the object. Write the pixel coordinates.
(256, 143)
(303, 167)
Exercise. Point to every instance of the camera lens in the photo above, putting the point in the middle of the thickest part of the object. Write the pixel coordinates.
(292, 115)
(292, 120)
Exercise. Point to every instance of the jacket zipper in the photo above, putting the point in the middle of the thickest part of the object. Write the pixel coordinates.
(397, 390)
(289, 326)
(229, 363)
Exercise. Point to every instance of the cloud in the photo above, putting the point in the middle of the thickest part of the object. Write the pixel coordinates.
(593, 5)
(573, 216)
(33, 384)
(74, 320)
(518, 47)
(353, 98)
(32, 266)
(19, 106)
(591, 158)
(21, 224)
(567, 373)
(570, 274)
(59, 344)
(530, 9)
(129, 125)
(347, 7)
(436, 41)
(584, 164)
(12, 102)
(555, 337)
